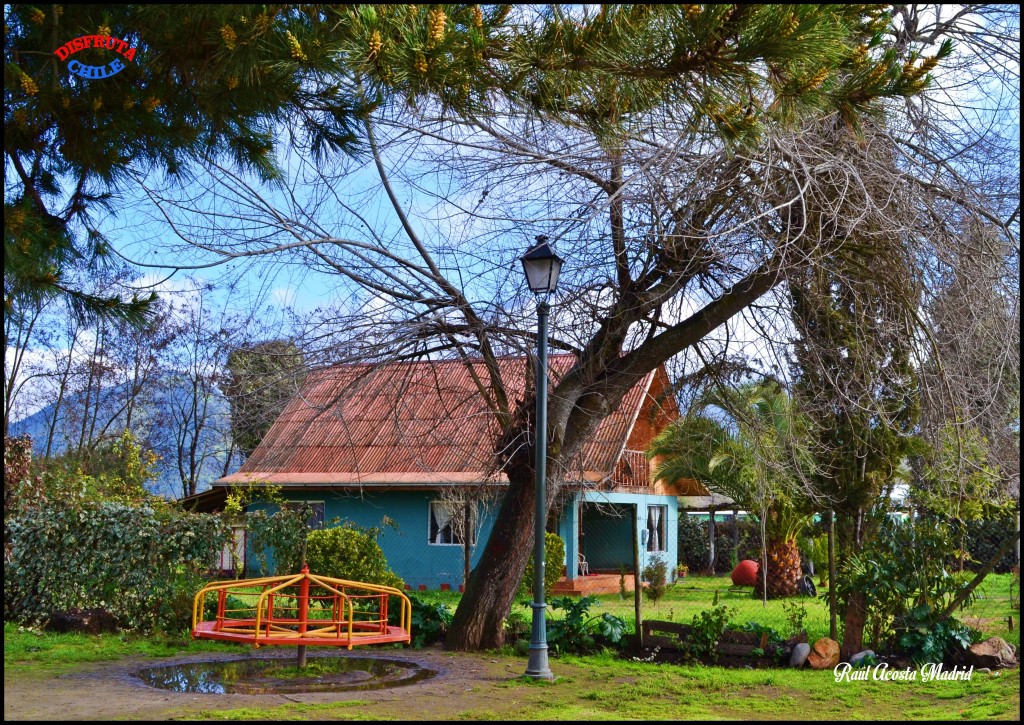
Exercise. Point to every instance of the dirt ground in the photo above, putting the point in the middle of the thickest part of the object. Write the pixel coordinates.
(105, 691)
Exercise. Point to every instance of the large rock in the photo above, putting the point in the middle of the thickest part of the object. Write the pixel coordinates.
(745, 573)
(89, 621)
(800, 654)
(824, 654)
(993, 652)
(858, 659)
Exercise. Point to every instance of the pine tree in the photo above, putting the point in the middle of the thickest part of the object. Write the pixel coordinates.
(221, 81)
(205, 81)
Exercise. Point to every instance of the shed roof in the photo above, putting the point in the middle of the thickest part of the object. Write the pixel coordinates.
(413, 424)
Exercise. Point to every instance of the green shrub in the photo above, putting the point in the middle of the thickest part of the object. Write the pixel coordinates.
(517, 625)
(693, 543)
(554, 563)
(656, 576)
(907, 577)
(142, 564)
(349, 552)
(796, 615)
(576, 633)
(430, 621)
(925, 638)
(275, 539)
(706, 629)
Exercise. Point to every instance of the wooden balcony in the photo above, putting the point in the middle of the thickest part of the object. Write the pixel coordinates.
(633, 471)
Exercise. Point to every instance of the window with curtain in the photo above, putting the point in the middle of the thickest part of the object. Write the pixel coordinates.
(656, 516)
(316, 515)
(446, 523)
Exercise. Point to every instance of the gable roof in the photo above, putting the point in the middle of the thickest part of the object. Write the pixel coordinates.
(414, 424)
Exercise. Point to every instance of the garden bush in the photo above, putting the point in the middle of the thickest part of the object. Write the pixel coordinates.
(430, 621)
(350, 552)
(693, 544)
(577, 632)
(655, 575)
(554, 563)
(907, 576)
(143, 564)
(275, 540)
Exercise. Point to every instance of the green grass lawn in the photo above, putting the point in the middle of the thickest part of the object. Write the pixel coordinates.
(599, 687)
(693, 594)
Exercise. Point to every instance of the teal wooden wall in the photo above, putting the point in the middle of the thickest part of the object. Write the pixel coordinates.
(405, 543)
(607, 539)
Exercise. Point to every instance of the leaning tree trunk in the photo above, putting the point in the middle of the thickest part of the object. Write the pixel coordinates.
(491, 589)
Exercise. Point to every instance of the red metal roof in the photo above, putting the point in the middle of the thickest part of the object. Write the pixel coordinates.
(407, 423)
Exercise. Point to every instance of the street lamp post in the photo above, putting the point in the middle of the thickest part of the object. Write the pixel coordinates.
(542, 266)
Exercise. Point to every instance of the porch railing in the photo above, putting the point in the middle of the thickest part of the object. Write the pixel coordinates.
(632, 471)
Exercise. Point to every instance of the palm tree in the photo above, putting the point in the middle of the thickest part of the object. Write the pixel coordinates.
(746, 443)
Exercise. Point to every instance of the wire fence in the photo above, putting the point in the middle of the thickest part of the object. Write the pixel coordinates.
(994, 609)
(434, 560)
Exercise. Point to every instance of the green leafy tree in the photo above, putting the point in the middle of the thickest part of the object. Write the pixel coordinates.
(117, 470)
(206, 82)
(905, 573)
(958, 482)
(262, 379)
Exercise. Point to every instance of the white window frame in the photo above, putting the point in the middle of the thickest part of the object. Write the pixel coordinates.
(662, 529)
(234, 550)
(430, 525)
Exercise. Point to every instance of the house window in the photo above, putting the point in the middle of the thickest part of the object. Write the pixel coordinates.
(656, 516)
(448, 523)
(316, 516)
(232, 556)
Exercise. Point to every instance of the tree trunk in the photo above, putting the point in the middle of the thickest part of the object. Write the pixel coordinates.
(467, 546)
(491, 589)
(853, 624)
(833, 631)
(980, 576)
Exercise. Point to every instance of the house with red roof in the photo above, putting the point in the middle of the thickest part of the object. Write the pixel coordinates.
(411, 445)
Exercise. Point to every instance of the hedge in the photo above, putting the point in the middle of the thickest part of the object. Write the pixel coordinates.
(141, 564)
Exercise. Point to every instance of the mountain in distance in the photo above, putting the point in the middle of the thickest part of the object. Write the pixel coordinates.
(156, 424)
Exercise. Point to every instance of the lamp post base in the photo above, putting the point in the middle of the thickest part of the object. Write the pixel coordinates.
(537, 665)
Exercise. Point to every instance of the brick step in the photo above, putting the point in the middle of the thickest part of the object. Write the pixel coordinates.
(591, 584)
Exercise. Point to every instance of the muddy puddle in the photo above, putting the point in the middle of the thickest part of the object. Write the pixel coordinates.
(282, 676)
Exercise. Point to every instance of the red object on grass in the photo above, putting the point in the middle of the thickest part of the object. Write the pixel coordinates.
(745, 573)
